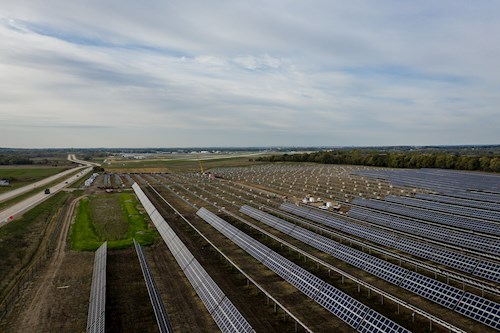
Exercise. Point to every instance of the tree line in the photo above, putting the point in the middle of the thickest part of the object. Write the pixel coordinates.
(490, 163)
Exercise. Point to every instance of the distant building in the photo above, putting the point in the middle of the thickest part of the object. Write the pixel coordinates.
(4, 182)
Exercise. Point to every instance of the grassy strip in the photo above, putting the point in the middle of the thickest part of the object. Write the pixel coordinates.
(138, 223)
(84, 236)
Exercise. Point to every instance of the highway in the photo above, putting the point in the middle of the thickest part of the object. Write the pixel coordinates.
(18, 191)
(72, 158)
(16, 210)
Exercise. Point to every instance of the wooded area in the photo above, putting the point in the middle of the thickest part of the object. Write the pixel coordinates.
(395, 159)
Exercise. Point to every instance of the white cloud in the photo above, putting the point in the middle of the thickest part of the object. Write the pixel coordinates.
(272, 73)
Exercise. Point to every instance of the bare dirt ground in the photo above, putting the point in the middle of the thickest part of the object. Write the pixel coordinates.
(185, 311)
(128, 307)
(57, 299)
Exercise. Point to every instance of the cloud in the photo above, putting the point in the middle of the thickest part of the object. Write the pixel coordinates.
(270, 73)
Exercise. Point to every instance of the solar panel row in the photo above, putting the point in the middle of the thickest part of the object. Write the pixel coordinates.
(419, 284)
(454, 237)
(97, 303)
(432, 216)
(164, 324)
(224, 313)
(485, 269)
(351, 311)
(458, 202)
(451, 183)
(445, 207)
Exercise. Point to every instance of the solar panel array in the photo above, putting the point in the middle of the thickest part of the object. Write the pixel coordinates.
(164, 324)
(351, 311)
(446, 207)
(431, 216)
(458, 201)
(485, 269)
(457, 184)
(222, 310)
(419, 284)
(455, 237)
(373, 265)
(97, 303)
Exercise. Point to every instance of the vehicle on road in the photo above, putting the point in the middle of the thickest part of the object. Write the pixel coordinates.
(47, 191)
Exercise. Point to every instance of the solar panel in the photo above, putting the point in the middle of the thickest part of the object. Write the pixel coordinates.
(488, 270)
(309, 284)
(434, 290)
(374, 322)
(480, 309)
(447, 208)
(164, 324)
(97, 302)
(386, 270)
(458, 201)
(225, 314)
(227, 318)
(343, 306)
(456, 237)
(449, 258)
(431, 216)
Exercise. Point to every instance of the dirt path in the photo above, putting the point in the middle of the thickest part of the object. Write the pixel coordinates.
(36, 311)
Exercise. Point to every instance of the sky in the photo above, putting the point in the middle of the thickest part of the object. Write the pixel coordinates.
(182, 73)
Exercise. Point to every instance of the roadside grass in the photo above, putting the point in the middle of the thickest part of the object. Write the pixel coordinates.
(24, 176)
(20, 239)
(127, 223)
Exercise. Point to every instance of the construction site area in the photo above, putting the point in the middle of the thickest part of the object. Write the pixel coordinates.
(265, 248)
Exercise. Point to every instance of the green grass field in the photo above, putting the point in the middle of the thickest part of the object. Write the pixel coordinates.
(110, 217)
(21, 176)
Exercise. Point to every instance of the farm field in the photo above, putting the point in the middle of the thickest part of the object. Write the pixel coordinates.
(185, 163)
(363, 231)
